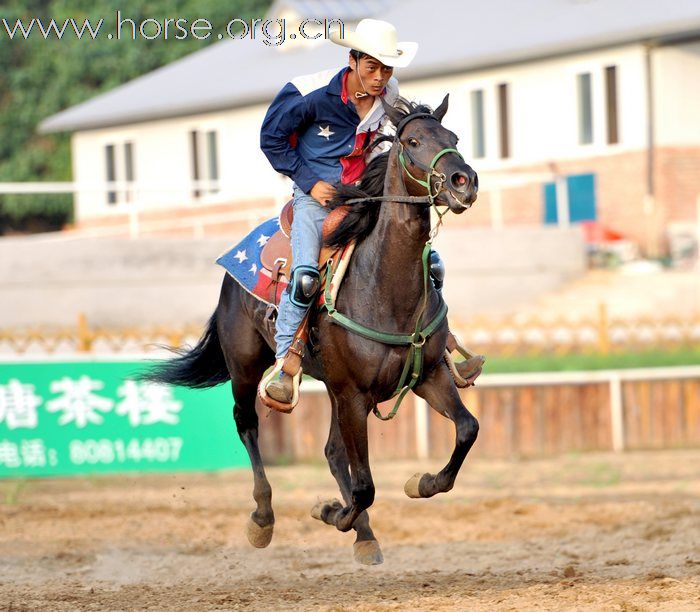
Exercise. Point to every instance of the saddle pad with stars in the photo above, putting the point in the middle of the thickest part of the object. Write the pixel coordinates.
(243, 262)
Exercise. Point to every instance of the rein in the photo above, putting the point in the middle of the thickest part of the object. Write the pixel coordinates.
(413, 368)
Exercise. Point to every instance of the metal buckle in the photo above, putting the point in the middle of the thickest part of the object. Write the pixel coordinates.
(416, 344)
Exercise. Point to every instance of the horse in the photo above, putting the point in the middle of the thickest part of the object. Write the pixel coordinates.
(385, 287)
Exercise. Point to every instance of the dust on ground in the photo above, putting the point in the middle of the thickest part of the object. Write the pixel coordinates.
(579, 532)
(630, 292)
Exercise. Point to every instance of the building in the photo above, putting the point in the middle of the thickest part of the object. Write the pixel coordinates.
(603, 92)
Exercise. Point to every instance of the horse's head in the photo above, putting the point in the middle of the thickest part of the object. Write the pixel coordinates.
(428, 155)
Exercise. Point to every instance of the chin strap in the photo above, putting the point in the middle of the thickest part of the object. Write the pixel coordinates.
(364, 93)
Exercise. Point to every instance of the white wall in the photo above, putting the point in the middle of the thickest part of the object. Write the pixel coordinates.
(162, 158)
(676, 76)
(543, 106)
(543, 124)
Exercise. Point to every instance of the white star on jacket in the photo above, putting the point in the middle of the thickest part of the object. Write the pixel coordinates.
(325, 132)
(241, 256)
(262, 240)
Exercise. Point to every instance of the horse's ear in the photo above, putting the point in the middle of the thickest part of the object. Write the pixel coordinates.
(440, 111)
(394, 114)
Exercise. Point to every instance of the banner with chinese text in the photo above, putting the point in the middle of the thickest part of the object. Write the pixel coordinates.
(88, 416)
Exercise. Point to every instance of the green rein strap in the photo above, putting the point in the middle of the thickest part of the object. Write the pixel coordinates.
(413, 369)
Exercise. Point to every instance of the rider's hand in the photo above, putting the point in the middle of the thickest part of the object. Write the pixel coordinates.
(322, 192)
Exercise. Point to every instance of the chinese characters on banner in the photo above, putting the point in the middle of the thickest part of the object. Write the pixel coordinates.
(78, 403)
(53, 421)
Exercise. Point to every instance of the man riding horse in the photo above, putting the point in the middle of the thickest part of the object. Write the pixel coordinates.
(317, 131)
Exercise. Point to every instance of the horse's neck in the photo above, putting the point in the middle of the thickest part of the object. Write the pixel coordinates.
(390, 257)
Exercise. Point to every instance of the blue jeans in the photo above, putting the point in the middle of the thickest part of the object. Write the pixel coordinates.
(307, 237)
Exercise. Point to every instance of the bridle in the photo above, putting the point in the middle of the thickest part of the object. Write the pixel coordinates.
(433, 188)
(434, 184)
(434, 181)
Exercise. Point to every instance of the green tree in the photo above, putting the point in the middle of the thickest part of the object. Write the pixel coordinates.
(41, 77)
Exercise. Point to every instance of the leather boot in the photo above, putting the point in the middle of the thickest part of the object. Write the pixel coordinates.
(464, 372)
(470, 367)
(281, 388)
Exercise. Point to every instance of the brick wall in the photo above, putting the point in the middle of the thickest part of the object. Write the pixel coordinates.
(621, 187)
(187, 219)
(677, 175)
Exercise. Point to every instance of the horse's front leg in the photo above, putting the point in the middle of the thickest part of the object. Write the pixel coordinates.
(366, 548)
(352, 411)
(439, 390)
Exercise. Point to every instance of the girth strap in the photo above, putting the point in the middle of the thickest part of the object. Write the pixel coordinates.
(413, 368)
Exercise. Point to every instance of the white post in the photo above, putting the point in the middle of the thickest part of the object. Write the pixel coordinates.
(617, 421)
(496, 201)
(422, 436)
(562, 201)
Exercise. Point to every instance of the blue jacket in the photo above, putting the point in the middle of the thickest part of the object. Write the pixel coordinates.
(312, 132)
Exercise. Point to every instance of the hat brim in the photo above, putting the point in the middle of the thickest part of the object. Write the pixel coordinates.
(405, 51)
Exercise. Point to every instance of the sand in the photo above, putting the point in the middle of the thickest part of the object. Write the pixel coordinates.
(584, 532)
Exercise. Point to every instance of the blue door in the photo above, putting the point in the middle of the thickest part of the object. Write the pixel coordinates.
(582, 202)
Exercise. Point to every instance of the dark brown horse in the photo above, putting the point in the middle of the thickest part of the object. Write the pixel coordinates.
(384, 290)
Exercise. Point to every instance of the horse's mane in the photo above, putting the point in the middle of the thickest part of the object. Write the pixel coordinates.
(362, 216)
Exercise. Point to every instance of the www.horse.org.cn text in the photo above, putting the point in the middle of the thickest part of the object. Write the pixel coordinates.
(271, 32)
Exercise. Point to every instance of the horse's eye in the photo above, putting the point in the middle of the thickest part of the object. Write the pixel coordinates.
(413, 142)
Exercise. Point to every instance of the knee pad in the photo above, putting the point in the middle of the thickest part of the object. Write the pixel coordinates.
(304, 285)
(437, 270)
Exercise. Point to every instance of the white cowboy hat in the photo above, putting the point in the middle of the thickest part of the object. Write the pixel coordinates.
(378, 39)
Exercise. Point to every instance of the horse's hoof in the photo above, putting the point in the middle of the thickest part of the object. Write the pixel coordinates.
(317, 510)
(368, 552)
(258, 536)
(411, 488)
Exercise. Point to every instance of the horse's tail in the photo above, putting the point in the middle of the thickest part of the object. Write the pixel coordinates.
(199, 367)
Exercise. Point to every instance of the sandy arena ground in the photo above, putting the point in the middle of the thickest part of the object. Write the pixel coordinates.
(589, 532)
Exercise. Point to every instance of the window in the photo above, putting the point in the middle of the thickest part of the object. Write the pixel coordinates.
(194, 150)
(119, 172)
(503, 120)
(213, 155)
(204, 156)
(111, 173)
(585, 109)
(611, 103)
(477, 108)
(129, 170)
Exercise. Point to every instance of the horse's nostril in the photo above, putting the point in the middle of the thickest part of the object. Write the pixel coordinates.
(459, 180)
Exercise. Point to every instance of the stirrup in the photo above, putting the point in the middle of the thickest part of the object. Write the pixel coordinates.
(471, 367)
(272, 403)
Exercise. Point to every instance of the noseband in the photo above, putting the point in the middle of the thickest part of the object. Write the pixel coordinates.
(434, 181)
(433, 189)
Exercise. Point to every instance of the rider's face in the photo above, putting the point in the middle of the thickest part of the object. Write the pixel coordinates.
(373, 73)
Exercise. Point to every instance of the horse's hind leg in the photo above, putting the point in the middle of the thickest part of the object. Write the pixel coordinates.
(440, 392)
(366, 548)
(247, 357)
(262, 520)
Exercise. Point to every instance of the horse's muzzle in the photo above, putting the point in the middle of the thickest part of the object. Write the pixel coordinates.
(459, 205)
(463, 187)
